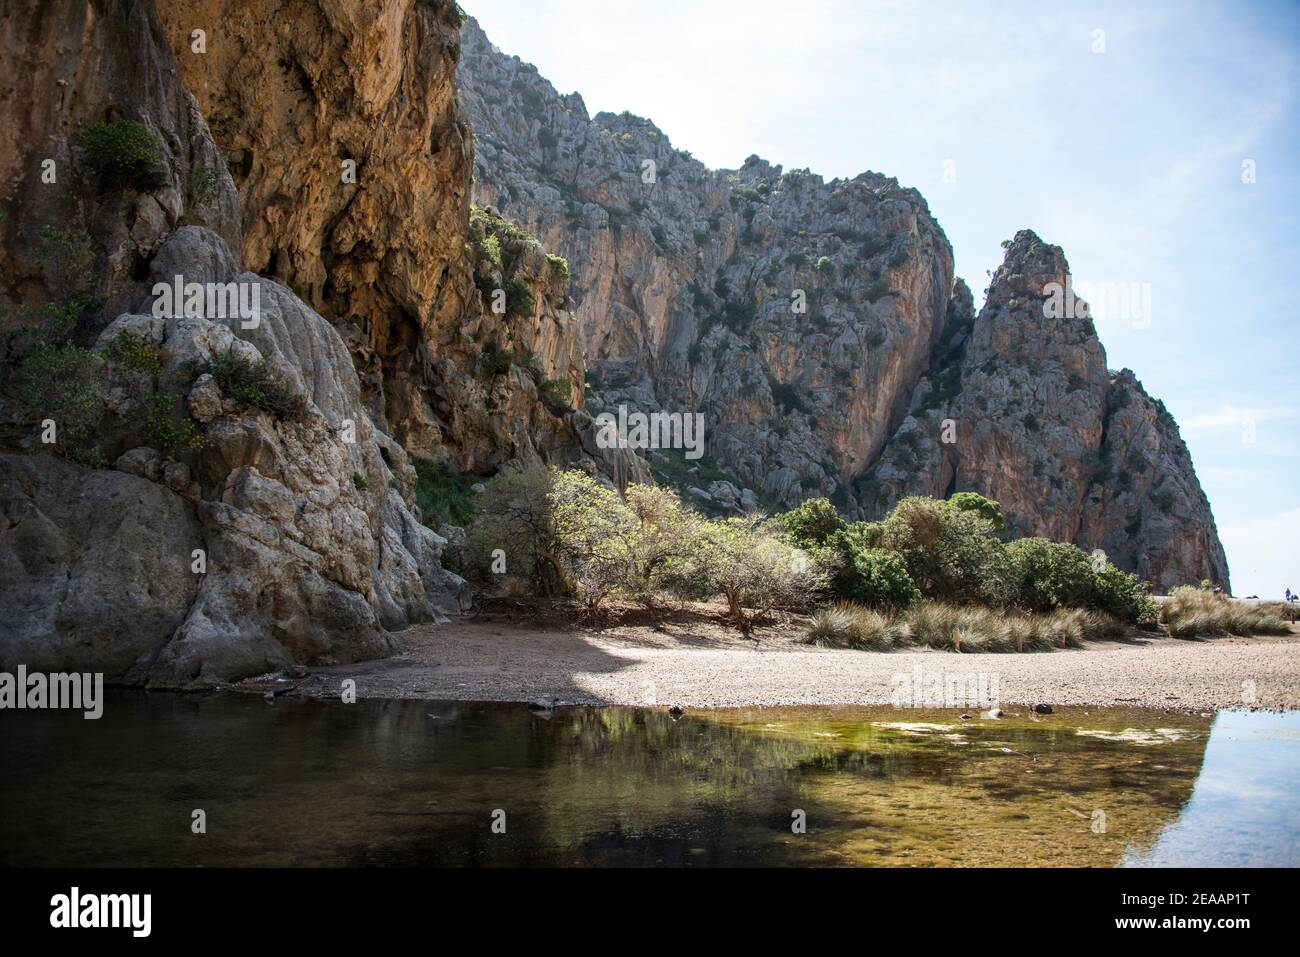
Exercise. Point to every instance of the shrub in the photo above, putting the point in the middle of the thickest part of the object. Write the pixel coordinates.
(747, 562)
(880, 580)
(67, 259)
(664, 544)
(444, 496)
(594, 529)
(951, 554)
(519, 297)
(811, 524)
(1124, 595)
(121, 152)
(205, 185)
(555, 394)
(559, 270)
(515, 515)
(132, 352)
(985, 507)
(254, 383)
(877, 289)
(497, 361)
(1050, 574)
(170, 436)
(490, 247)
(65, 383)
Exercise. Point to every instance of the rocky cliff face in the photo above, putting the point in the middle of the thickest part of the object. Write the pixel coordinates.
(796, 313)
(257, 473)
(341, 126)
(195, 533)
(1019, 406)
(821, 331)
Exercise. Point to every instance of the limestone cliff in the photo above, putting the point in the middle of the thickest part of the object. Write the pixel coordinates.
(796, 313)
(341, 126)
(821, 331)
(192, 533)
(1019, 406)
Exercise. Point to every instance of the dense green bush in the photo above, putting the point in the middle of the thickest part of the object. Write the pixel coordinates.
(519, 297)
(1050, 574)
(559, 270)
(205, 185)
(880, 580)
(497, 361)
(951, 554)
(986, 507)
(1125, 595)
(63, 382)
(131, 352)
(811, 524)
(122, 151)
(445, 497)
(169, 433)
(555, 394)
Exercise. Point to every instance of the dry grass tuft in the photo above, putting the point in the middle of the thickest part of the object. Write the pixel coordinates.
(970, 629)
(1197, 613)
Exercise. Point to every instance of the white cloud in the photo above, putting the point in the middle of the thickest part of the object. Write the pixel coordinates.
(1229, 416)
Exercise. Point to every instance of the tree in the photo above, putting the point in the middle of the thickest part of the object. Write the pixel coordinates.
(751, 566)
(951, 554)
(595, 533)
(880, 580)
(515, 517)
(666, 537)
(811, 524)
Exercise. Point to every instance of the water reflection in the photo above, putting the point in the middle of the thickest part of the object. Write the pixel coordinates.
(416, 783)
(1244, 810)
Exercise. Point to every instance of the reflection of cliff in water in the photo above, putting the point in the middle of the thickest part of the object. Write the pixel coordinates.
(315, 782)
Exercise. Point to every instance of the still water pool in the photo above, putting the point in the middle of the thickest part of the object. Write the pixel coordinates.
(307, 782)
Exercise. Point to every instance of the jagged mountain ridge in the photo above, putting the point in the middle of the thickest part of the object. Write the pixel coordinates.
(684, 290)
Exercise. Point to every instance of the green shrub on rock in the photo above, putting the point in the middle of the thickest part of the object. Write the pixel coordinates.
(255, 384)
(121, 152)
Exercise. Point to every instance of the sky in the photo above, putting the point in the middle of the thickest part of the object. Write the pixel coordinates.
(1157, 143)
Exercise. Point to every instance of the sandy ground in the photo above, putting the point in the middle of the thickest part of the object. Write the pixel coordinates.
(689, 658)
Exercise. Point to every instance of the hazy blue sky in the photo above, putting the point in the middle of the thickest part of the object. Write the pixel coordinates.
(1130, 159)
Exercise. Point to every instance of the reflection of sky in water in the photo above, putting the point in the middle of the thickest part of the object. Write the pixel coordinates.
(1248, 791)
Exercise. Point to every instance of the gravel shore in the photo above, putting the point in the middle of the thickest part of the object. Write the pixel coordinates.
(693, 661)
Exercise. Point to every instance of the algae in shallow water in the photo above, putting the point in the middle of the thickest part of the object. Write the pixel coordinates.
(392, 782)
